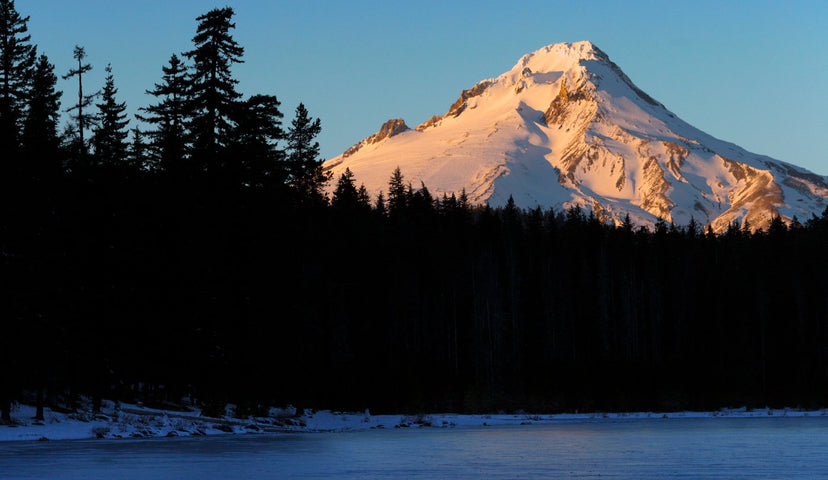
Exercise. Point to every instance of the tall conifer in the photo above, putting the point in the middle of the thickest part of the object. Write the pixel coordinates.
(17, 58)
(213, 94)
(304, 164)
(40, 140)
(346, 196)
(397, 197)
(168, 139)
(111, 132)
(259, 160)
(83, 119)
(137, 151)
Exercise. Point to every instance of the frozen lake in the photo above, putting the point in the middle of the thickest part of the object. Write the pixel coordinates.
(713, 448)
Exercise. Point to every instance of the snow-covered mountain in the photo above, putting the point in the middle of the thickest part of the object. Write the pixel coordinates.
(566, 126)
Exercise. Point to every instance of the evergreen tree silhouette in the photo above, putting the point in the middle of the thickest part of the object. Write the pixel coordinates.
(422, 203)
(346, 197)
(110, 133)
(83, 119)
(397, 197)
(463, 200)
(259, 160)
(168, 135)
(380, 205)
(306, 175)
(212, 88)
(17, 59)
(40, 139)
(363, 198)
(137, 157)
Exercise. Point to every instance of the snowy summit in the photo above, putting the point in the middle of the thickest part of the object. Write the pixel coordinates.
(565, 126)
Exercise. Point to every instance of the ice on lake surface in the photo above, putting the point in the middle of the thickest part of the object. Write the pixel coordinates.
(713, 448)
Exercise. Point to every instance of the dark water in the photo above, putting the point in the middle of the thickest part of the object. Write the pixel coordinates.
(715, 448)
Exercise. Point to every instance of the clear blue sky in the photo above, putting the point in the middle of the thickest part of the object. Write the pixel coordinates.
(751, 72)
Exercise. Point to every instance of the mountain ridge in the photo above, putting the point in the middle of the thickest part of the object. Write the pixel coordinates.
(565, 126)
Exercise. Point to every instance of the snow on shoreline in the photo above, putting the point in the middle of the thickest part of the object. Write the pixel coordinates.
(133, 421)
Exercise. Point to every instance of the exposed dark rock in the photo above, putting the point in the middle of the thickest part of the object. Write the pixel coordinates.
(434, 120)
(811, 177)
(738, 170)
(460, 105)
(677, 156)
(654, 184)
(355, 148)
(556, 113)
(392, 127)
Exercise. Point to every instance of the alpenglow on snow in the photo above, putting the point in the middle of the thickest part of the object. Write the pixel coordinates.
(564, 127)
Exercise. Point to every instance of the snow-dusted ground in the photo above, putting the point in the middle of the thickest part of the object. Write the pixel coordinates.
(134, 421)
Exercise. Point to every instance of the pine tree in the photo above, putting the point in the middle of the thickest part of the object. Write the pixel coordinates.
(212, 88)
(168, 139)
(379, 205)
(137, 151)
(363, 198)
(258, 131)
(40, 139)
(110, 134)
(747, 228)
(397, 197)
(17, 58)
(777, 226)
(660, 227)
(511, 215)
(627, 224)
(447, 204)
(346, 196)
(421, 203)
(83, 120)
(709, 232)
(463, 200)
(305, 172)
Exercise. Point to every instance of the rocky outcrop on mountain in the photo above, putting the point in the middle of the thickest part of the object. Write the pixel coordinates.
(556, 112)
(392, 127)
(463, 102)
(458, 107)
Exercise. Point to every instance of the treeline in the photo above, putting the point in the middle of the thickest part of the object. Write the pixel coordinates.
(434, 305)
(204, 261)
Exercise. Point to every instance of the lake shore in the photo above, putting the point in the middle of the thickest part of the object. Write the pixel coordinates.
(126, 421)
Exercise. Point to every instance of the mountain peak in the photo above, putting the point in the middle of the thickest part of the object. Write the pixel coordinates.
(565, 126)
(557, 55)
(584, 50)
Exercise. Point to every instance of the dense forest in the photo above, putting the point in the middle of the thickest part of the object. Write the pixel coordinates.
(200, 260)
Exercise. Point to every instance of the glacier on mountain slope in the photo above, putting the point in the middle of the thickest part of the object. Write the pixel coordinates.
(565, 126)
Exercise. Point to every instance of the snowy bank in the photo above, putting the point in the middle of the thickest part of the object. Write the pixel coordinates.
(134, 421)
